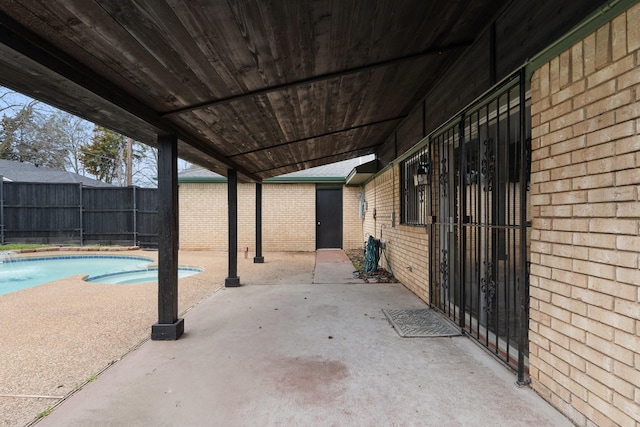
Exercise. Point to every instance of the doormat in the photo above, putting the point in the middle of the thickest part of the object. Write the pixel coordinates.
(423, 322)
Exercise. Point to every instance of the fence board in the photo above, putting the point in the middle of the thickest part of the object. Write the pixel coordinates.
(73, 214)
(147, 216)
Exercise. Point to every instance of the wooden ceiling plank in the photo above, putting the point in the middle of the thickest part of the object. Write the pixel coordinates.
(311, 107)
(174, 50)
(101, 43)
(258, 25)
(237, 127)
(212, 29)
(157, 31)
(328, 76)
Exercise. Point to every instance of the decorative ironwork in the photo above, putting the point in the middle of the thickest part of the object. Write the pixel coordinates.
(488, 164)
(444, 268)
(487, 299)
(421, 194)
(444, 177)
(488, 287)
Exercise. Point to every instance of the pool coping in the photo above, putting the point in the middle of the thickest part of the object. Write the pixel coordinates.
(75, 249)
(92, 279)
(56, 257)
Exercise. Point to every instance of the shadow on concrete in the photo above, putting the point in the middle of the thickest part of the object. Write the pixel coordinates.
(309, 355)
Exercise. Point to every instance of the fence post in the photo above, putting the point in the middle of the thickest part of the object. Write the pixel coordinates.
(135, 215)
(81, 215)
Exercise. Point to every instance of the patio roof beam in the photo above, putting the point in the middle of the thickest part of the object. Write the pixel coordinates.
(319, 78)
(335, 132)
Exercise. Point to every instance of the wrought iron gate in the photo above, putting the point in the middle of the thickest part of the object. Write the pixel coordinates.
(478, 201)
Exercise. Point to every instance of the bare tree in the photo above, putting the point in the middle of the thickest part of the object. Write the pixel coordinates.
(32, 137)
(145, 172)
(37, 133)
(74, 133)
(8, 100)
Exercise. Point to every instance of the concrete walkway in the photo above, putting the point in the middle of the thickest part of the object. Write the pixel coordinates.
(305, 355)
(333, 267)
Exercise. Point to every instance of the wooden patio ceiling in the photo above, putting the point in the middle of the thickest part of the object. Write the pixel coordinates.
(263, 87)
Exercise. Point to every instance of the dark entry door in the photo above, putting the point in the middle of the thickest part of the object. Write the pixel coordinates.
(328, 217)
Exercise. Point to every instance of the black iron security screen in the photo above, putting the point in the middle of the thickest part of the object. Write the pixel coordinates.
(475, 200)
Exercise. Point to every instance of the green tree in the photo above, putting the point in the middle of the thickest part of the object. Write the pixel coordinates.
(104, 156)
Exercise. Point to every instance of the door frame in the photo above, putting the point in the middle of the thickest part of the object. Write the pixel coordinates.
(339, 189)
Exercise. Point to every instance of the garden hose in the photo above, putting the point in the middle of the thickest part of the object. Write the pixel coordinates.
(371, 256)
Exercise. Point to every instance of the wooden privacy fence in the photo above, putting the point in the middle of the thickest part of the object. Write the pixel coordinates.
(75, 214)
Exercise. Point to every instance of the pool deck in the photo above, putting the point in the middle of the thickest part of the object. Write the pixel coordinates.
(60, 335)
(304, 352)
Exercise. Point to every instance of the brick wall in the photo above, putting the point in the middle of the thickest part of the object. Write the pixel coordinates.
(406, 246)
(585, 244)
(288, 217)
(203, 216)
(351, 222)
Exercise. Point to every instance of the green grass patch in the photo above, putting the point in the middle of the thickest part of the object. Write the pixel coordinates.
(44, 413)
(18, 246)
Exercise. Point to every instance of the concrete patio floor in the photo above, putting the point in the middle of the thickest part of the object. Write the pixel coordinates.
(305, 355)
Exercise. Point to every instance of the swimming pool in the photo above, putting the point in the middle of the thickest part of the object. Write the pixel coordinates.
(22, 273)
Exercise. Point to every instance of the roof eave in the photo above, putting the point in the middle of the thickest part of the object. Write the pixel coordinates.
(274, 180)
(361, 174)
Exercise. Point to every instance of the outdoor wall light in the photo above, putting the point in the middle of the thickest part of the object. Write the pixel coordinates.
(421, 176)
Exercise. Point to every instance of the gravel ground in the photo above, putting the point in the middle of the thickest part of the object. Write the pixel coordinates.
(58, 336)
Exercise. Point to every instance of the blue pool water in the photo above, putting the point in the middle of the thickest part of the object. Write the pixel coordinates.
(22, 273)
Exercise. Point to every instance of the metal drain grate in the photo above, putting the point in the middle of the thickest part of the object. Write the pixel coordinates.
(420, 323)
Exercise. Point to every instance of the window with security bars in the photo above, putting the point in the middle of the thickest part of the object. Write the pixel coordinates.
(416, 182)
